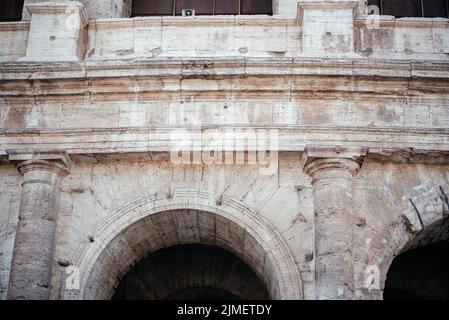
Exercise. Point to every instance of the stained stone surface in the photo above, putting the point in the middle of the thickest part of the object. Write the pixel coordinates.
(359, 116)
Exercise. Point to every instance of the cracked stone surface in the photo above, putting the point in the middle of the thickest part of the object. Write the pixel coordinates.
(95, 102)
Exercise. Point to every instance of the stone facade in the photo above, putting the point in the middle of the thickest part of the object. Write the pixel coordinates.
(93, 103)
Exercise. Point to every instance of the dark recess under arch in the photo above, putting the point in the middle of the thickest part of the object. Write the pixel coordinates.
(420, 274)
(191, 272)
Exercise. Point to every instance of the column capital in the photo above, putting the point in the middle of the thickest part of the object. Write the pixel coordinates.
(56, 161)
(319, 159)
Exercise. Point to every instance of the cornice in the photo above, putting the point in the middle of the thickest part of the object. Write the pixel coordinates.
(406, 145)
(15, 26)
(385, 21)
(229, 66)
(66, 80)
(193, 22)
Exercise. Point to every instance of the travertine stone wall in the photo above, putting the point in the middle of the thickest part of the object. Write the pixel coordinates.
(93, 191)
(281, 100)
(334, 29)
(275, 36)
(334, 96)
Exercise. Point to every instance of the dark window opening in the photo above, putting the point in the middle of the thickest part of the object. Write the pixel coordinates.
(11, 10)
(201, 7)
(227, 7)
(412, 8)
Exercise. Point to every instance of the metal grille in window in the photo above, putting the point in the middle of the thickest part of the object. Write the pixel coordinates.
(201, 7)
(412, 8)
(11, 10)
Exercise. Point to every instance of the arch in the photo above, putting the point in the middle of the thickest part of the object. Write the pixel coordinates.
(425, 221)
(419, 273)
(425, 217)
(405, 231)
(409, 241)
(277, 265)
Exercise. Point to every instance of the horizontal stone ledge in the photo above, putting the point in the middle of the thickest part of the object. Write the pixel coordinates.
(229, 66)
(396, 156)
(285, 128)
(407, 145)
(249, 20)
(406, 22)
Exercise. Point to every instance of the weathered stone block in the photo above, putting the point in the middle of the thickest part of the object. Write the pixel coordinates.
(327, 28)
(57, 32)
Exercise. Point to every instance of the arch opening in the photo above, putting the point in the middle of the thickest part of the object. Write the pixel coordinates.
(173, 228)
(421, 270)
(190, 217)
(191, 272)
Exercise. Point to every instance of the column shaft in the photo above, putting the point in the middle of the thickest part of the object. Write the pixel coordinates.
(332, 192)
(30, 276)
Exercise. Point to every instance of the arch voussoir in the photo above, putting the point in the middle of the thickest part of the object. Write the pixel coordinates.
(277, 267)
